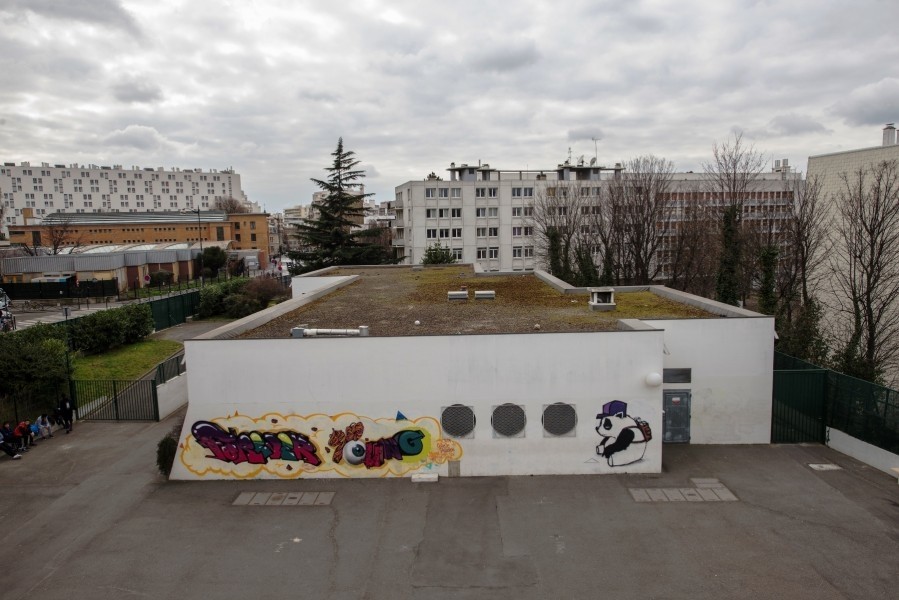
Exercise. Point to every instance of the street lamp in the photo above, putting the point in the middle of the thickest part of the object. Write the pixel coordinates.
(200, 233)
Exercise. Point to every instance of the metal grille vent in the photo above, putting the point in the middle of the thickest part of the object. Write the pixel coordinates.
(457, 420)
(559, 419)
(508, 420)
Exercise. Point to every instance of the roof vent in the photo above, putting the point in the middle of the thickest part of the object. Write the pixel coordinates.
(602, 298)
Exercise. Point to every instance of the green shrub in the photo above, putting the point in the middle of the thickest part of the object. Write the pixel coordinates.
(137, 322)
(161, 278)
(99, 331)
(212, 296)
(240, 305)
(165, 453)
(263, 290)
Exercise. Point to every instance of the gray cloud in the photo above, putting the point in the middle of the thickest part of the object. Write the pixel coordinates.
(505, 58)
(136, 92)
(95, 12)
(871, 104)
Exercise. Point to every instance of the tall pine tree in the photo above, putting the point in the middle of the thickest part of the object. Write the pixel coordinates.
(333, 238)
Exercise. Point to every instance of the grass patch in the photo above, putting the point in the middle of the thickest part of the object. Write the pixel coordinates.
(126, 363)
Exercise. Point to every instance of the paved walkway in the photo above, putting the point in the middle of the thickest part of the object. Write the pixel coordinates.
(87, 516)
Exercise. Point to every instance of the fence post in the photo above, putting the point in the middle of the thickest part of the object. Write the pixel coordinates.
(155, 401)
(115, 399)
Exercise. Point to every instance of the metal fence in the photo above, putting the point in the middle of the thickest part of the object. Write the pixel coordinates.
(115, 400)
(65, 289)
(173, 310)
(805, 394)
(16, 407)
(170, 368)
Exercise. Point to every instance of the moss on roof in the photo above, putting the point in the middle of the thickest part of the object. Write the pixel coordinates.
(390, 300)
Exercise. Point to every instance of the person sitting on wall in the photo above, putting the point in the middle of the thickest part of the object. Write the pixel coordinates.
(24, 434)
(44, 426)
(7, 433)
(6, 447)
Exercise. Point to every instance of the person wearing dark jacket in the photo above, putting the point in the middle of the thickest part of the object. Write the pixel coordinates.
(67, 411)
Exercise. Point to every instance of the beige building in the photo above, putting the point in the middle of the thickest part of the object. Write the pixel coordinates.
(830, 167)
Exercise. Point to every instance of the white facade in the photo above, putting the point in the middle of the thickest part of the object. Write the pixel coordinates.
(76, 188)
(254, 402)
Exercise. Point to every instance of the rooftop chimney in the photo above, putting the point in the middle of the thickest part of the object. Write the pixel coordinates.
(889, 135)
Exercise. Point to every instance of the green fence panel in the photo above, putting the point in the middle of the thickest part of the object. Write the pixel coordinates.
(174, 310)
(798, 410)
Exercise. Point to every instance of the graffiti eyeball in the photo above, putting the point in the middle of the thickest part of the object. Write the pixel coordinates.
(354, 452)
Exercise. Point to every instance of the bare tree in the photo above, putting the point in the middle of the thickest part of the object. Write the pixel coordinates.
(731, 177)
(63, 233)
(691, 251)
(865, 269)
(230, 205)
(559, 225)
(641, 199)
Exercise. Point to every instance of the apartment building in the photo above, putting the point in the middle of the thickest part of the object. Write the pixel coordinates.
(48, 189)
(483, 215)
(486, 216)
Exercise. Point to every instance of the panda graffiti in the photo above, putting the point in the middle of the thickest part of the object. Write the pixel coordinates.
(624, 437)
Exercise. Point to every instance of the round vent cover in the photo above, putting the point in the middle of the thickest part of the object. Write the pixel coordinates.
(508, 419)
(559, 418)
(457, 420)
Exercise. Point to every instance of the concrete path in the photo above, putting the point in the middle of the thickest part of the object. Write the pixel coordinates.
(87, 516)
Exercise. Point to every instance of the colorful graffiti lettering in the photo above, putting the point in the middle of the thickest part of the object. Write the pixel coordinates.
(328, 445)
(254, 447)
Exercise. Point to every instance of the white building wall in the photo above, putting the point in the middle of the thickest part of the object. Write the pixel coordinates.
(732, 361)
(92, 189)
(329, 384)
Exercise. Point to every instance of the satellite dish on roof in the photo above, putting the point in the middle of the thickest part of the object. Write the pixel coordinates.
(593, 161)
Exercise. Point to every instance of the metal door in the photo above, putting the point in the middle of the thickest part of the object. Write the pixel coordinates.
(676, 417)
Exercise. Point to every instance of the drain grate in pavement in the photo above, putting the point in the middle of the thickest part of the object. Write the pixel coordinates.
(704, 490)
(283, 499)
(825, 467)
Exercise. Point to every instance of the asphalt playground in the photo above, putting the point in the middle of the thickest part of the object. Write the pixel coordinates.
(87, 515)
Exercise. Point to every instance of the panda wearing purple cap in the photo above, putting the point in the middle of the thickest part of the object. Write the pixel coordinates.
(624, 437)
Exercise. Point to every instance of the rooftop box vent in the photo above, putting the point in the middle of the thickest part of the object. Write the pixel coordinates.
(602, 298)
(485, 295)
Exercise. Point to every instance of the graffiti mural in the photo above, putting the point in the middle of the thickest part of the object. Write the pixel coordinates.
(624, 438)
(289, 446)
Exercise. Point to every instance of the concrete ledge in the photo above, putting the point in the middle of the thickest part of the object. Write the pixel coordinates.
(635, 325)
(712, 306)
(863, 451)
(424, 478)
(257, 319)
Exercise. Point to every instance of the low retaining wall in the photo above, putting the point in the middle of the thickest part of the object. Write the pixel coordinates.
(870, 455)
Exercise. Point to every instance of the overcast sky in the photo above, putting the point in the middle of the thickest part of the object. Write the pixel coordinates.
(267, 87)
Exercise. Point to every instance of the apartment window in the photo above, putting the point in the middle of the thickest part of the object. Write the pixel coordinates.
(516, 231)
(431, 213)
(562, 210)
(443, 192)
(457, 213)
(516, 192)
(529, 252)
(528, 211)
(482, 232)
(430, 192)
(516, 251)
(493, 231)
(252, 237)
(482, 253)
(527, 192)
(480, 192)
(529, 231)
(480, 212)
(444, 233)
(493, 211)
(456, 192)
(516, 211)
(252, 224)
(491, 192)
(457, 232)
(494, 253)
(457, 253)
(443, 213)
(432, 234)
